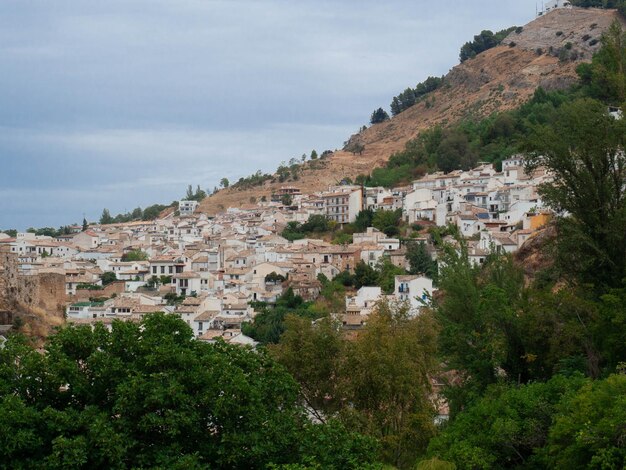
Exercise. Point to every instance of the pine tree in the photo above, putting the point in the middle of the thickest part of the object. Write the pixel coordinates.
(106, 218)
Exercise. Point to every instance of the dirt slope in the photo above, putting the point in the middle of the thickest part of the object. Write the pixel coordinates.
(498, 79)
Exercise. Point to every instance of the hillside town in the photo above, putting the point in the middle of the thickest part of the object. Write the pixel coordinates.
(211, 270)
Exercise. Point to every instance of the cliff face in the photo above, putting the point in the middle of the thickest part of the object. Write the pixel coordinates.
(545, 53)
(37, 301)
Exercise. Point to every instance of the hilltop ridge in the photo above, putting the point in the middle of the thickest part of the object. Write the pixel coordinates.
(544, 53)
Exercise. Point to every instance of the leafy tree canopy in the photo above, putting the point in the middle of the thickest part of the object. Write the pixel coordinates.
(149, 395)
(583, 147)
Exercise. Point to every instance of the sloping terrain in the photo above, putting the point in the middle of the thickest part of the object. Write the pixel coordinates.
(545, 53)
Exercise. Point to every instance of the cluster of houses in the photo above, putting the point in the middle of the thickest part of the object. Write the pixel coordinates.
(212, 270)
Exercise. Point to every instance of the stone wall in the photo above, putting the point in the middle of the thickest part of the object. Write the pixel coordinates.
(83, 295)
(39, 300)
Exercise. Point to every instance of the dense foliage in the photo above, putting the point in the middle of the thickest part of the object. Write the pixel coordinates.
(268, 324)
(148, 395)
(618, 4)
(482, 42)
(410, 96)
(583, 147)
(135, 255)
(197, 195)
(149, 213)
(316, 224)
(378, 116)
(377, 384)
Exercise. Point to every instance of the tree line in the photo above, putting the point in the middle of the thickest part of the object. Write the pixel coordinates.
(484, 41)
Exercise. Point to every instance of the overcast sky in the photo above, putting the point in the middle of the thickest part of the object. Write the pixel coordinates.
(123, 103)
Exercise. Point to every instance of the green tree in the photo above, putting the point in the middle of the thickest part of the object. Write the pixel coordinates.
(85, 224)
(588, 431)
(387, 221)
(584, 150)
(342, 238)
(377, 384)
(153, 212)
(312, 353)
(605, 77)
(454, 152)
(506, 427)
(333, 294)
(364, 275)
(106, 218)
(149, 395)
(363, 220)
(586, 338)
(316, 224)
(135, 255)
(136, 214)
(313, 155)
(269, 322)
(482, 42)
(200, 194)
(479, 327)
(420, 261)
(189, 193)
(386, 382)
(273, 277)
(378, 116)
(286, 199)
(224, 183)
(108, 277)
(387, 272)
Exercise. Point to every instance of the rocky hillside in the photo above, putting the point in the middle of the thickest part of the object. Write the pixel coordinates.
(544, 53)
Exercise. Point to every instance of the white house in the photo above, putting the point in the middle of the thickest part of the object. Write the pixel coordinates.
(364, 300)
(187, 283)
(419, 204)
(187, 207)
(343, 204)
(413, 289)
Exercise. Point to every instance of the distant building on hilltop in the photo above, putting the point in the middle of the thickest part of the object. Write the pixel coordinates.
(553, 5)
